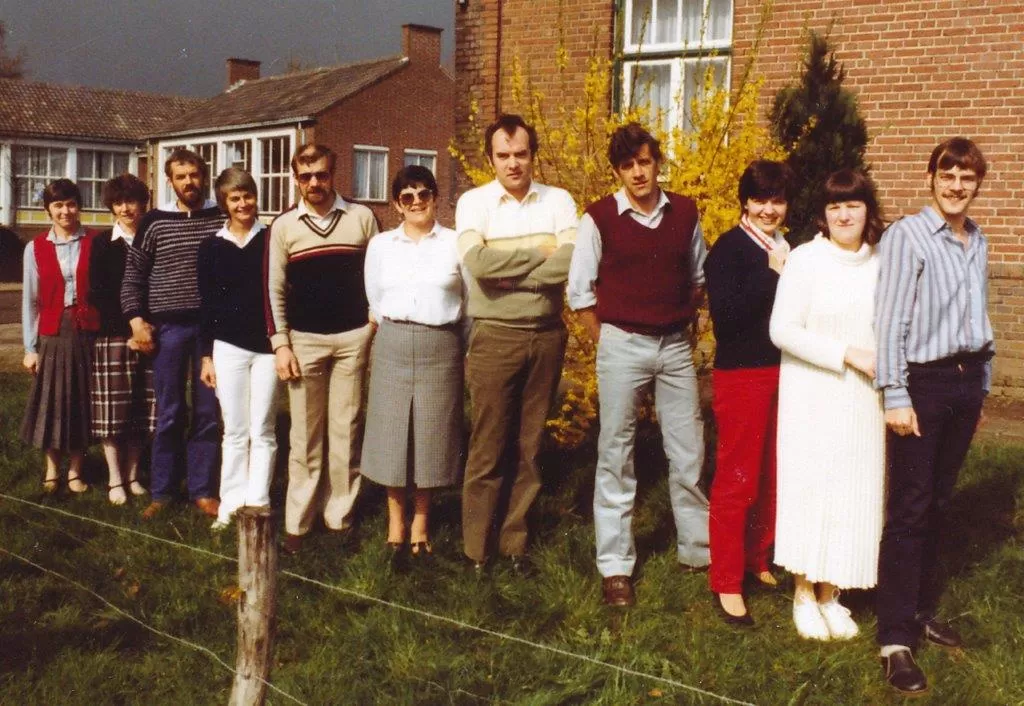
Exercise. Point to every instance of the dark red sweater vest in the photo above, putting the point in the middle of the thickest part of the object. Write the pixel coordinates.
(51, 287)
(644, 284)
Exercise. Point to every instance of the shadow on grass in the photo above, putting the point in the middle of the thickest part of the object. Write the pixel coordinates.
(33, 648)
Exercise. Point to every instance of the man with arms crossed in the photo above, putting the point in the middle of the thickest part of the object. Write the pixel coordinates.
(934, 368)
(160, 299)
(320, 331)
(637, 274)
(515, 242)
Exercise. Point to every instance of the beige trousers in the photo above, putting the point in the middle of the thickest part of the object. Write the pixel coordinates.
(327, 398)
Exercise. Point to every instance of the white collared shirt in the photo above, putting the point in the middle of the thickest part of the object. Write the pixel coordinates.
(228, 235)
(172, 205)
(414, 280)
(495, 214)
(119, 233)
(323, 221)
(582, 289)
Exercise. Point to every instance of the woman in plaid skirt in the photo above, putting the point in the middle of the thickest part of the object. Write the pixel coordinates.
(123, 402)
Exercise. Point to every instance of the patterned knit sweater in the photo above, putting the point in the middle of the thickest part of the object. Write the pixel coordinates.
(315, 275)
(160, 276)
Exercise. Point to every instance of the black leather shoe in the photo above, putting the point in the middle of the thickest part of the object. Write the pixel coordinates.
(940, 633)
(903, 674)
(742, 621)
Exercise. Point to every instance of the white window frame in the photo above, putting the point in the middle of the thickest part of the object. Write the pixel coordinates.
(681, 55)
(8, 166)
(209, 151)
(418, 156)
(223, 142)
(36, 179)
(702, 44)
(276, 184)
(86, 183)
(363, 192)
(678, 113)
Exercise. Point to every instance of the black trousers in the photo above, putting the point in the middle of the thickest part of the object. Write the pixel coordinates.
(922, 471)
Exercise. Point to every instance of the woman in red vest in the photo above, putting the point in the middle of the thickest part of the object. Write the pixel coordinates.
(55, 314)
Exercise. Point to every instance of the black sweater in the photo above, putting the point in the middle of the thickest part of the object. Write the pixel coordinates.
(106, 271)
(231, 291)
(741, 293)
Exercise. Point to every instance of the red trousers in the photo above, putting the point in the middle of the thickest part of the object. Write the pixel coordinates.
(742, 523)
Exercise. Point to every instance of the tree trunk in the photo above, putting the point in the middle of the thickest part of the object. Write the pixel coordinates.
(257, 605)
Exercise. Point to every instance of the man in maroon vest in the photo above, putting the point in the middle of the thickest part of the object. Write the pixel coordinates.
(635, 278)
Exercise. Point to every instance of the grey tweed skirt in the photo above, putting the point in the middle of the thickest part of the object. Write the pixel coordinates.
(57, 409)
(414, 414)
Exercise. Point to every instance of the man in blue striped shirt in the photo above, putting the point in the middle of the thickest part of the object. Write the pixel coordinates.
(934, 369)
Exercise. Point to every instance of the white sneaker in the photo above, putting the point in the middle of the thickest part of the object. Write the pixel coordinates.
(837, 618)
(809, 622)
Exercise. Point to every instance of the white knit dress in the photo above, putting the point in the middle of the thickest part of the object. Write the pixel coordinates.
(831, 433)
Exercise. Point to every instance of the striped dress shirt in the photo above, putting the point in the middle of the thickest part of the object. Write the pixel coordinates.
(931, 301)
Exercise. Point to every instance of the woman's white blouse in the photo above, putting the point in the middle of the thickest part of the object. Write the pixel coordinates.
(418, 281)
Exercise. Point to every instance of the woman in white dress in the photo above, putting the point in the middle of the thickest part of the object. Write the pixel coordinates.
(831, 432)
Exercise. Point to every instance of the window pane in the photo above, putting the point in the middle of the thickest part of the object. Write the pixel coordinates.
(640, 29)
(378, 176)
(693, 87)
(719, 27)
(652, 92)
(666, 28)
(238, 154)
(360, 175)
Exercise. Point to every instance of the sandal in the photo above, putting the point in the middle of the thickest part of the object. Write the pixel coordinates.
(50, 485)
(81, 487)
(119, 497)
(137, 488)
(421, 549)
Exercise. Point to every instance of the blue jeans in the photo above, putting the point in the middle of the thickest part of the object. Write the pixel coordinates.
(626, 364)
(177, 357)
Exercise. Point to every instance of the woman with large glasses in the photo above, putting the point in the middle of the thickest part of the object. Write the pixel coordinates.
(56, 320)
(414, 425)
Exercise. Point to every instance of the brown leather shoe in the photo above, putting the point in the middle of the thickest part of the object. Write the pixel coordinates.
(209, 506)
(153, 509)
(618, 591)
(292, 543)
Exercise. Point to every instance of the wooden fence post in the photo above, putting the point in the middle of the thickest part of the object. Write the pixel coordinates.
(257, 605)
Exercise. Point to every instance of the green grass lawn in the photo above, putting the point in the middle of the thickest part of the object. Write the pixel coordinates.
(60, 644)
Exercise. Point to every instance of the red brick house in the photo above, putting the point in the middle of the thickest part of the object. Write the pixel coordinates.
(376, 115)
(923, 70)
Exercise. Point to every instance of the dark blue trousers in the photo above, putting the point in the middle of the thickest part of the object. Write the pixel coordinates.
(178, 358)
(947, 398)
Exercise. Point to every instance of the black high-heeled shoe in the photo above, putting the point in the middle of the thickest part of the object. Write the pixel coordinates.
(742, 621)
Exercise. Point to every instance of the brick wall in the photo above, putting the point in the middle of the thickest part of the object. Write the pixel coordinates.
(923, 70)
(411, 109)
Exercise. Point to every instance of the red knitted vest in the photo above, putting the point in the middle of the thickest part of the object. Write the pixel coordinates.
(643, 279)
(51, 287)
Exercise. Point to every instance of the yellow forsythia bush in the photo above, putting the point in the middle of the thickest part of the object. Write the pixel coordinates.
(703, 161)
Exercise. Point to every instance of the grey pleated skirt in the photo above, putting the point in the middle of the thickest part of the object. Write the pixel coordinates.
(57, 410)
(414, 414)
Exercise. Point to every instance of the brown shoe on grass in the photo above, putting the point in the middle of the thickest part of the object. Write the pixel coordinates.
(618, 591)
(209, 506)
(153, 509)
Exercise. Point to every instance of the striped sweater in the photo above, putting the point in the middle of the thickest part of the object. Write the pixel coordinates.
(315, 276)
(160, 281)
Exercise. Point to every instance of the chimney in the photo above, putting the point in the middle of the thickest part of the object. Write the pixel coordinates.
(242, 70)
(422, 43)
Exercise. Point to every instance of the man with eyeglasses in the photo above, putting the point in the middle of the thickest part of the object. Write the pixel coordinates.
(515, 241)
(318, 319)
(934, 368)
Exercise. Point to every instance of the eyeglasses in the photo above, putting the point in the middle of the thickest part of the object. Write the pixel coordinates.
(306, 177)
(408, 198)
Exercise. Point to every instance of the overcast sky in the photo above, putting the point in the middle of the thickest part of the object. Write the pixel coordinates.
(179, 46)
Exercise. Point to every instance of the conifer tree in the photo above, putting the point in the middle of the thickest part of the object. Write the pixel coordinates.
(819, 121)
